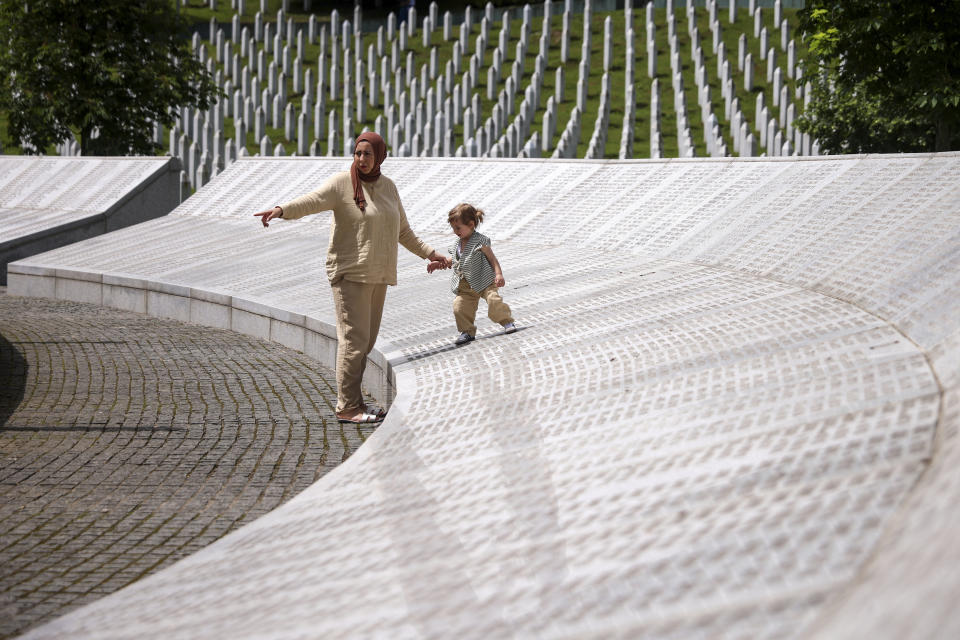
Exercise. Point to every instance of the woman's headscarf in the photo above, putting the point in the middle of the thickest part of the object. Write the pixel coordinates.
(379, 155)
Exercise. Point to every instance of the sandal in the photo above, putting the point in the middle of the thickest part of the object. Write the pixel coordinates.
(363, 418)
(376, 411)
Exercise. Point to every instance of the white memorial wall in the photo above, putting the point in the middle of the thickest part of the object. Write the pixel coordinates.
(36, 193)
(731, 410)
(47, 202)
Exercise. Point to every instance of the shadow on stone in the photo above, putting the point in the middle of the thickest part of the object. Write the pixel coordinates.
(13, 376)
(432, 351)
(94, 427)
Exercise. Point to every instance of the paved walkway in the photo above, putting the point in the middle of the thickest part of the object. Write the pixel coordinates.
(128, 442)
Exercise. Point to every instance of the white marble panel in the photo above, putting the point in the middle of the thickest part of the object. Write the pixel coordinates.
(251, 324)
(79, 290)
(126, 298)
(320, 346)
(27, 284)
(166, 305)
(288, 334)
(210, 314)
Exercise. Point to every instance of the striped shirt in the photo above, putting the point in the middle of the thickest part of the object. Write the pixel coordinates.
(471, 264)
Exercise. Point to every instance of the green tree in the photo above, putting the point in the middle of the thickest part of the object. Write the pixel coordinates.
(885, 75)
(110, 67)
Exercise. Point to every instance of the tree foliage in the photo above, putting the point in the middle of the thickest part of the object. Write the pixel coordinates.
(110, 67)
(885, 74)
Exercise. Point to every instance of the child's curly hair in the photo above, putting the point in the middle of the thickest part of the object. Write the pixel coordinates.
(465, 214)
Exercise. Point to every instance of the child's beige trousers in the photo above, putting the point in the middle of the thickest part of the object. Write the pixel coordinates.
(466, 303)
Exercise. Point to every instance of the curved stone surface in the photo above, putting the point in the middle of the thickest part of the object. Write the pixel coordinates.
(128, 442)
(49, 202)
(730, 381)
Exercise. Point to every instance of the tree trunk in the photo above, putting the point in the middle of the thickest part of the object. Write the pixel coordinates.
(943, 135)
(85, 140)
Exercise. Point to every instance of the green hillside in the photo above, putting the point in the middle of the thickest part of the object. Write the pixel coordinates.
(202, 15)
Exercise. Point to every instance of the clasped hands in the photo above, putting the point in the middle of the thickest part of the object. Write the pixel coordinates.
(438, 261)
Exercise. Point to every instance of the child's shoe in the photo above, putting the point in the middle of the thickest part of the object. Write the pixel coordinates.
(463, 338)
(509, 327)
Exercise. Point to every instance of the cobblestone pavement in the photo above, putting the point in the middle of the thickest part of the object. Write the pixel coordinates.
(128, 442)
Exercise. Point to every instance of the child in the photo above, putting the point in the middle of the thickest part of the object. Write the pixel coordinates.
(476, 274)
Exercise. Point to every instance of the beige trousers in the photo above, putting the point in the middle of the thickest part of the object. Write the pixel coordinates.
(466, 303)
(359, 309)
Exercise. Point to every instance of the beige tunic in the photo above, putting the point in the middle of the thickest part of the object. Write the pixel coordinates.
(363, 244)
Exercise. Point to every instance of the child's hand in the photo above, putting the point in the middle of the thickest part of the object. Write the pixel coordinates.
(499, 281)
(438, 261)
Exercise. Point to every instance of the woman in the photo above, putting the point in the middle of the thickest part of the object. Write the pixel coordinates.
(368, 222)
